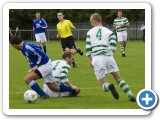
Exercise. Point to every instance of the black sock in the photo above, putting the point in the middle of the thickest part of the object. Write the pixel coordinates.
(73, 62)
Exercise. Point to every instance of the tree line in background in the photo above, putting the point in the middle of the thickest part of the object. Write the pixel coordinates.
(23, 18)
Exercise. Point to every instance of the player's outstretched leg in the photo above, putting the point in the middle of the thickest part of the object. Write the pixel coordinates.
(30, 81)
(124, 86)
(63, 88)
(36, 88)
(109, 86)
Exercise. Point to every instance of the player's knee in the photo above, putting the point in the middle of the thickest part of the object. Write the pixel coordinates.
(120, 43)
(43, 44)
(38, 43)
(67, 50)
(73, 51)
(54, 88)
(26, 80)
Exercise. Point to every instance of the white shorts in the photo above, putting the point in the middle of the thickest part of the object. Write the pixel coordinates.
(104, 65)
(41, 37)
(46, 72)
(54, 94)
(122, 36)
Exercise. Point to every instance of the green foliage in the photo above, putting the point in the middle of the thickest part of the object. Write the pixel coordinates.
(23, 18)
(132, 69)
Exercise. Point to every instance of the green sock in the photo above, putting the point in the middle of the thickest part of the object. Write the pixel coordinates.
(105, 86)
(122, 49)
(124, 86)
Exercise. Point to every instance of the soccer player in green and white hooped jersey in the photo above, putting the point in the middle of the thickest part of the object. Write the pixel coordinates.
(121, 24)
(100, 44)
(60, 71)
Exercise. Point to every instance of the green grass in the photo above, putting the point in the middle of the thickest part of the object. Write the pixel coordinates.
(132, 69)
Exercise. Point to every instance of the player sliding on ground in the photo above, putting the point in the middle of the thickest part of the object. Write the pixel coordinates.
(100, 44)
(41, 67)
(121, 24)
(60, 69)
(64, 28)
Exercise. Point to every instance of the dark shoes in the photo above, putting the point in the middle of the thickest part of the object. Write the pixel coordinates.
(123, 55)
(79, 51)
(113, 91)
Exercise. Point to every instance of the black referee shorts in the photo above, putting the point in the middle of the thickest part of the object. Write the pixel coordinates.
(68, 43)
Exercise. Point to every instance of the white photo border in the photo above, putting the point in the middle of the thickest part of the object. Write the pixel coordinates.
(8, 6)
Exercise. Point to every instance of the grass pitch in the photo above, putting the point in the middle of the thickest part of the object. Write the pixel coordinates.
(132, 70)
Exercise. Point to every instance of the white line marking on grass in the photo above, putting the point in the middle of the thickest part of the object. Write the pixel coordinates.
(135, 86)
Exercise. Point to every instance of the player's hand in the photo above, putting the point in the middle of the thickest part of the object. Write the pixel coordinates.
(76, 88)
(73, 87)
(115, 27)
(58, 36)
(123, 25)
(29, 71)
(35, 68)
(91, 65)
(39, 26)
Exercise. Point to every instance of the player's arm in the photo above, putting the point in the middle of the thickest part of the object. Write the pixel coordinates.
(71, 25)
(33, 69)
(112, 41)
(64, 79)
(44, 25)
(34, 26)
(68, 83)
(126, 24)
(88, 49)
(58, 34)
(73, 28)
(63, 73)
(36, 52)
(114, 26)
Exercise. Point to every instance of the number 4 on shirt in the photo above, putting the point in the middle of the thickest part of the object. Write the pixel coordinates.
(99, 34)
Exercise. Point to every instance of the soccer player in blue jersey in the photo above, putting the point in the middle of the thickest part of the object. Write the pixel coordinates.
(39, 28)
(41, 67)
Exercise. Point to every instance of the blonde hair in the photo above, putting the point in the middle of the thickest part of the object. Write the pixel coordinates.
(97, 17)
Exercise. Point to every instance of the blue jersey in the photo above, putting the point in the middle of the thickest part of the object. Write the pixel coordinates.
(41, 22)
(35, 56)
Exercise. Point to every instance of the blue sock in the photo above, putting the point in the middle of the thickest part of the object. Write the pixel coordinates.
(44, 48)
(36, 88)
(63, 88)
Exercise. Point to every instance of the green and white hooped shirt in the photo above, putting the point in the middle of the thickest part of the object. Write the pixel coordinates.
(118, 21)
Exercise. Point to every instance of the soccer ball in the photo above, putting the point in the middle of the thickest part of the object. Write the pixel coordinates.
(30, 96)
